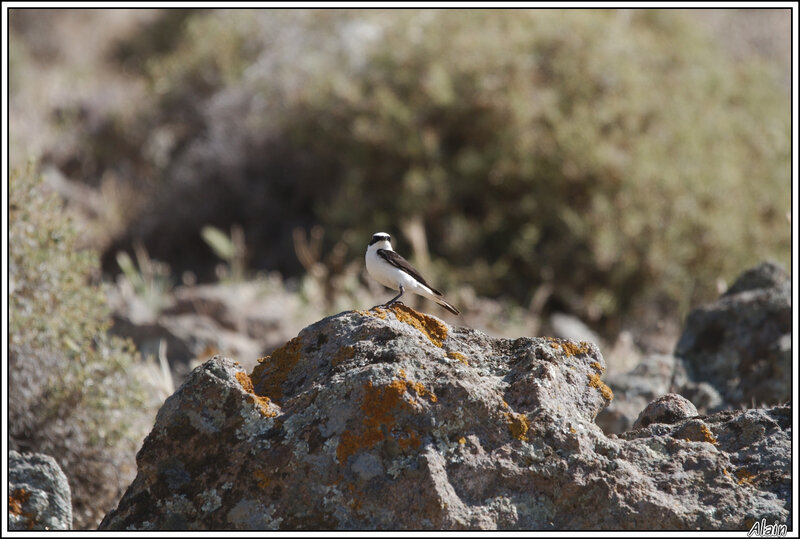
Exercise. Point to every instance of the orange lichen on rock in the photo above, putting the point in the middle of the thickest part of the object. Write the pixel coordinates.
(744, 477)
(570, 348)
(377, 312)
(379, 407)
(379, 402)
(262, 478)
(344, 353)
(696, 431)
(458, 356)
(16, 500)
(518, 425)
(263, 402)
(245, 381)
(273, 370)
(597, 366)
(356, 498)
(407, 438)
(418, 388)
(594, 381)
(708, 436)
(429, 326)
(350, 442)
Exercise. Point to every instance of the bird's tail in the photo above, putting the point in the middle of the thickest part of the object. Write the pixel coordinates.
(435, 295)
(440, 300)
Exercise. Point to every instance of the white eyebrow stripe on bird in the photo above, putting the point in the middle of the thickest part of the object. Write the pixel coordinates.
(401, 263)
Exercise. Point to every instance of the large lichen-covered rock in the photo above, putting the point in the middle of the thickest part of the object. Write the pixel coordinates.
(391, 419)
(39, 497)
(742, 343)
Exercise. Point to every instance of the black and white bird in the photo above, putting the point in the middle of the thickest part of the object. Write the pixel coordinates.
(392, 270)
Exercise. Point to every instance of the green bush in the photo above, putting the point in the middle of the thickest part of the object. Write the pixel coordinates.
(616, 158)
(75, 392)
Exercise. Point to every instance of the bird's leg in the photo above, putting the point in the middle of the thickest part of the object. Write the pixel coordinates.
(394, 299)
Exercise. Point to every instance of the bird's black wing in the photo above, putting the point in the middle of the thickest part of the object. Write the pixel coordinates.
(401, 263)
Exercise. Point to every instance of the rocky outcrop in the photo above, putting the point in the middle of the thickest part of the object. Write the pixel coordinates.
(38, 493)
(742, 343)
(757, 448)
(733, 353)
(391, 419)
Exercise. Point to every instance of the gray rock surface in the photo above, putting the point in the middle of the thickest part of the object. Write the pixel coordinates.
(38, 493)
(742, 344)
(391, 419)
(757, 446)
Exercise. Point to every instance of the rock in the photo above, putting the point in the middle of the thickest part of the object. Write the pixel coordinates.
(756, 445)
(765, 275)
(38, 493)
(391, 419)
(733, 353)
(667, 409)
(741, 344)
(633, 390)
(702, 394)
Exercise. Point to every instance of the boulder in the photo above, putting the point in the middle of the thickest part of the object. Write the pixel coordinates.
(39, 497)
(667, 409)
(742, 343)
(392, 419)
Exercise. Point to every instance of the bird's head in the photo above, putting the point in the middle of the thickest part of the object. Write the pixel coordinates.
(380, 240)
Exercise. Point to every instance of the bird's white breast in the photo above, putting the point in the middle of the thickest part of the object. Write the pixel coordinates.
(380, 269)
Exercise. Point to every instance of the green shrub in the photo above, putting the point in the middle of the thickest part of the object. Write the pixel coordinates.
(75, 392)
(617, 158)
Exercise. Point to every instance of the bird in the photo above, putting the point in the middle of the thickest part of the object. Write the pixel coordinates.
(393, 271)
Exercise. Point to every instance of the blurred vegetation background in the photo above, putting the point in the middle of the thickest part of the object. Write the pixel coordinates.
(76, 393)
(616, 165)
